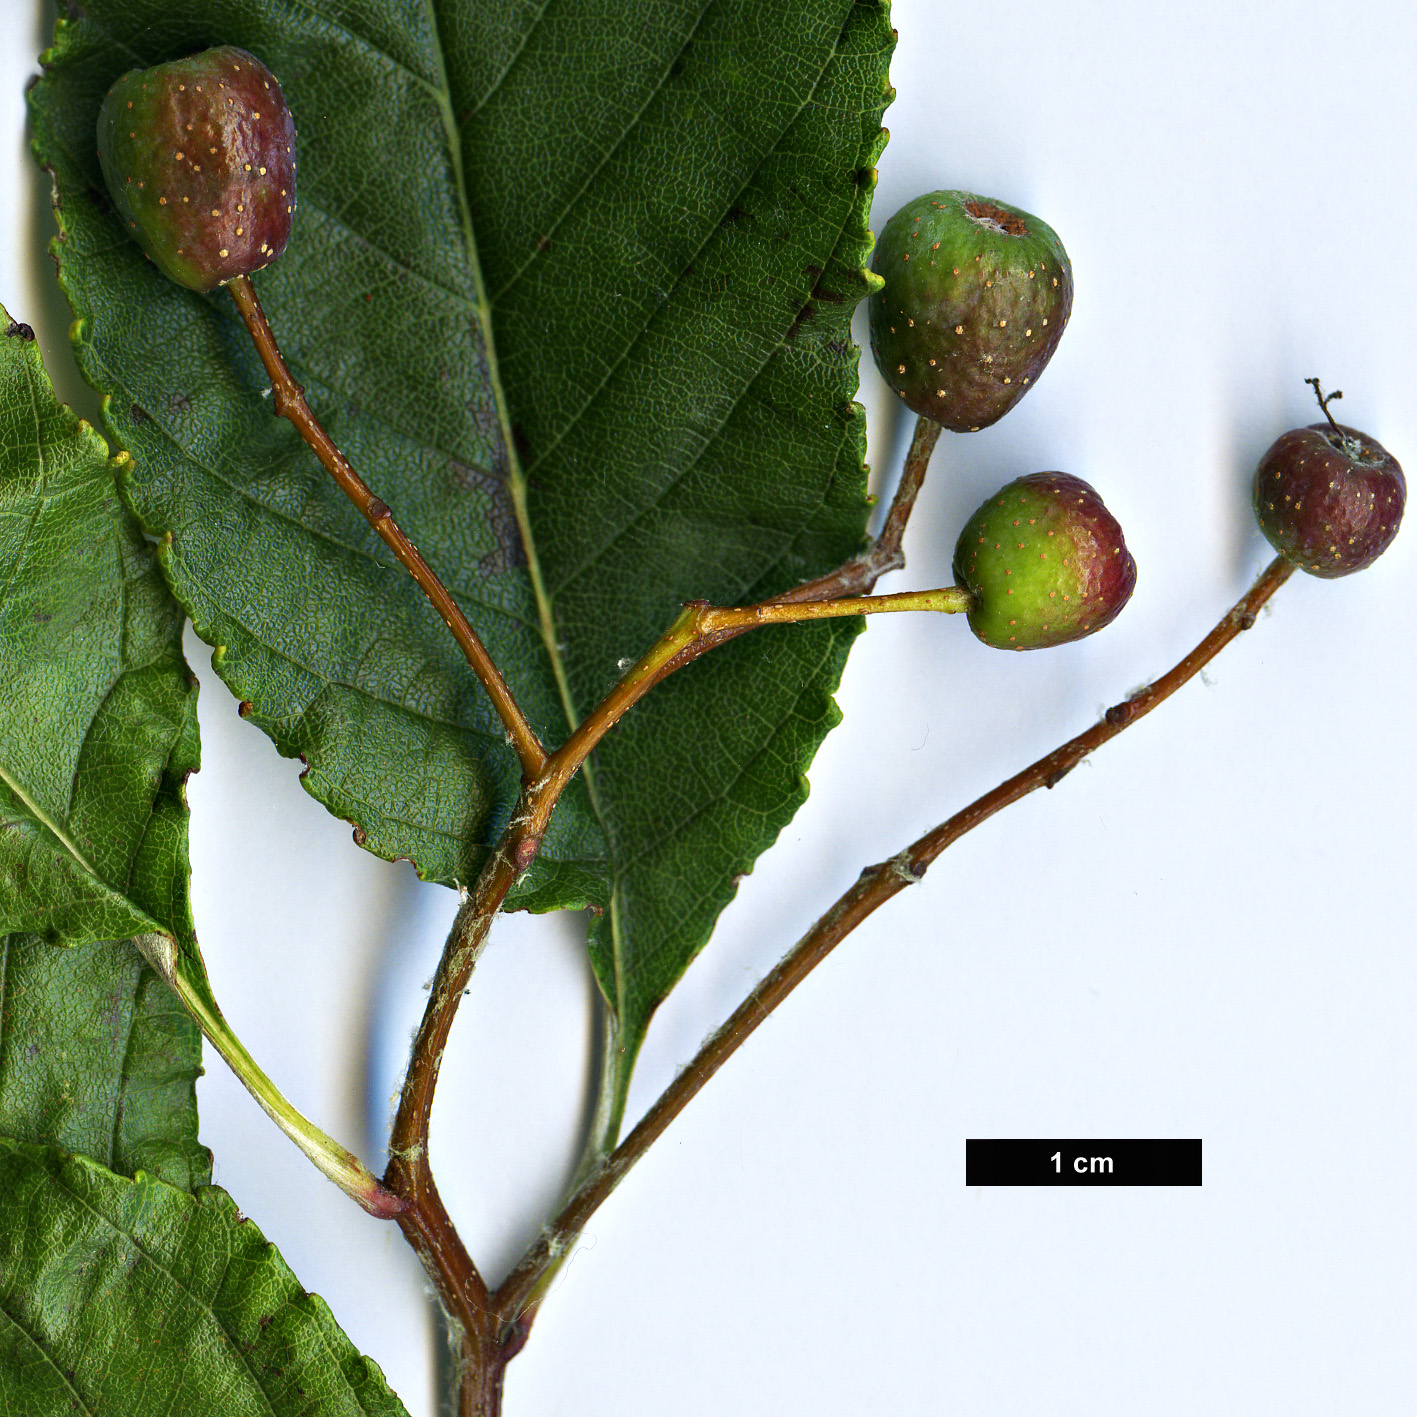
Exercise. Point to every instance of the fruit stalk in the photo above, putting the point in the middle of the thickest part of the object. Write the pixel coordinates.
(948, 600)
(912, 479)
(699, 628)
(859, 575)
(290, 403)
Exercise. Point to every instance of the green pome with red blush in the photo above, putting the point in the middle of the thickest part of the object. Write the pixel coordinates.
(199, 157)
(1044, 562)
(974, 297)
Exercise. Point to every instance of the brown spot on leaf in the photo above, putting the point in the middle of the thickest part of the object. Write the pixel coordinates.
(805, 316)
(501, 516)
(521, 442)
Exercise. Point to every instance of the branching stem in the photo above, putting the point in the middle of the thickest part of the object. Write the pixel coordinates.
(490, 1327)
(490, 1333)
(876, 885)
(486, 1335)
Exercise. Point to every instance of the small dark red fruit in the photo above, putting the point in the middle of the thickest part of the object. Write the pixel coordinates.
(1329, 498)
(199, 157)
(974, 300)
(1044, 563)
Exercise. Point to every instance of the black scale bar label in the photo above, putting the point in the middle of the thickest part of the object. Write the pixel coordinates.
(1082, 1163)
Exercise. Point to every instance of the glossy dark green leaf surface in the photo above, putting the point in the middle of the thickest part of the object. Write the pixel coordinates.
(571, 284)
(97, 733)
(672, 283)
(133, 1297)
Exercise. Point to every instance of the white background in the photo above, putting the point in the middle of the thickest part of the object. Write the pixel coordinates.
(1203, 932)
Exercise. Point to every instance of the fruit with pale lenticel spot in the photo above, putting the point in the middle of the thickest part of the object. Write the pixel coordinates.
(1329, 498)
(1044, 563)
(199, 157)
(975, 297)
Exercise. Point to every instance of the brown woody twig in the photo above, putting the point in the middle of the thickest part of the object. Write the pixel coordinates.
(290, 403)
(876, 885)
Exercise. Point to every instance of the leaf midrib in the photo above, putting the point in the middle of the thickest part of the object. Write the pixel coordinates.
(616, 931)
(48, 1362)
(43, 818)
(516, 478)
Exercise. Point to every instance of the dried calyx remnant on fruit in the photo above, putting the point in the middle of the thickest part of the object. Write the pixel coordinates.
(1044, 562)
(1329, 498)
(199, 157)
(975, 297)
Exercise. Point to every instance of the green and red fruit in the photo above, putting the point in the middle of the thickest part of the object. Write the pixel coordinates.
(199, 157)
(1329, 498)
(975, 297)
(1044, 563)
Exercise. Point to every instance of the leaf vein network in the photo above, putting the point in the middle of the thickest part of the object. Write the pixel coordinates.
(610, 152)
(48, 1361)
(246, 495)
(595, 554)
(672, 830)
(510, 64)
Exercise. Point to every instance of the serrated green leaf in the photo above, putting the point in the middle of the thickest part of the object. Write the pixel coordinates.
(97, 707)
(571, 284)
(133, 1297)
(97, 1056)
(97, 733)
(317, 628)
(673, 239)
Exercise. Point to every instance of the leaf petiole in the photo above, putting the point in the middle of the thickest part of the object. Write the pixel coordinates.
(342, 1167)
